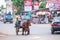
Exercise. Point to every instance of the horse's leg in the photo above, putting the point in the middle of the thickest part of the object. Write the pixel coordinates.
(25, 32)
(22, 31)
(28, 31)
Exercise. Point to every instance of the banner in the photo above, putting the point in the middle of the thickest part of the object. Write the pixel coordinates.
(36, 5)
(27, 5)
(27, 2)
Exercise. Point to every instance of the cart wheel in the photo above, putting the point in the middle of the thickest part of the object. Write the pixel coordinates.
(17, 30)
(4, 22)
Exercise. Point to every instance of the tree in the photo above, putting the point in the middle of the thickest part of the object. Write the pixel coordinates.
(42, 5)
(43, 0)
(19, 4)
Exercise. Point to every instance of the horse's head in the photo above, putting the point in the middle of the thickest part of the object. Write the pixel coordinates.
(28, 23)
(24, 23)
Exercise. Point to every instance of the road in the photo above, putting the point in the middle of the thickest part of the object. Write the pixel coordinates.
(37, 32)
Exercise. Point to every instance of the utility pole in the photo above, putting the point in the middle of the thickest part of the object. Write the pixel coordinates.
(32, 4)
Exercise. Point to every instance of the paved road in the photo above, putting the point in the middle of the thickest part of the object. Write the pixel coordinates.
(38, 32)
(7, 28)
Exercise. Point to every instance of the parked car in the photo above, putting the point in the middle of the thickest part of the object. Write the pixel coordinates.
(8, 18)
(55, 25)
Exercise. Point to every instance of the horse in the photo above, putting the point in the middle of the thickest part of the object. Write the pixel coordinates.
(26, 27)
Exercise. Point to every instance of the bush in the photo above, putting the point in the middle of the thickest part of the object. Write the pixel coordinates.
(42, 5)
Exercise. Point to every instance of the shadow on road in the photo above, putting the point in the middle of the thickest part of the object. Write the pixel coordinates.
(57, 33)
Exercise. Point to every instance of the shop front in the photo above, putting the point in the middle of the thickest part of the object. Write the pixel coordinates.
(42, 15)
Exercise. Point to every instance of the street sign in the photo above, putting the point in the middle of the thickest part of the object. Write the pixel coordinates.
(36, 5)
(27, 5)
(27, 8)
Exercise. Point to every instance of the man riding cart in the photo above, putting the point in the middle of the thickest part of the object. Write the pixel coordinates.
(23, 23)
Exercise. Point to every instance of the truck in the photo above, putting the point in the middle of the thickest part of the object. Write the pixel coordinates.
(8, 18)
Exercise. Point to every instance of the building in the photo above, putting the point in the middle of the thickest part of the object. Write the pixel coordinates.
(55, 4)
(9, 6)
(2, 2)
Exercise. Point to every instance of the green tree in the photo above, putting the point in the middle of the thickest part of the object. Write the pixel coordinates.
(19, 4)
(43, 0)
(42, 5)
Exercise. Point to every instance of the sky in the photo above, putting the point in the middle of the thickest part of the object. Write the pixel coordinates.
(2, 2)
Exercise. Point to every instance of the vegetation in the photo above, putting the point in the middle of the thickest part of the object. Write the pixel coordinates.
(19, 4)
(42, 5)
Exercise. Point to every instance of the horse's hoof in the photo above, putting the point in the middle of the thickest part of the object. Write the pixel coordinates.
(27, 34)
(22, 34)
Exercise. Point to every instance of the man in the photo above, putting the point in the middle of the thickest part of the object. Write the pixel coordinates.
(18, 22)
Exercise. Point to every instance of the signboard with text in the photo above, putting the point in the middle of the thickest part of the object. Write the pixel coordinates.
(27, 5)
(36, 5)
(9, 9)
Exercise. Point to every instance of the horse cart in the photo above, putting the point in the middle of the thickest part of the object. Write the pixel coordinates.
(17, 26)
(23, 23)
